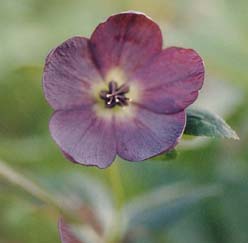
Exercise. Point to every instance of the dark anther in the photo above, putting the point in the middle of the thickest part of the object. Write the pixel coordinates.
(115, 95)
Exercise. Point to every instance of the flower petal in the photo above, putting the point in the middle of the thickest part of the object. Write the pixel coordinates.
(66, 234)
(172, 80)
(148, 134)
(83, 137)
(125, 40)
(69, 71)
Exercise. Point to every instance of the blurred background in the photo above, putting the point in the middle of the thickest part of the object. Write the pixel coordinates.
(37, 184)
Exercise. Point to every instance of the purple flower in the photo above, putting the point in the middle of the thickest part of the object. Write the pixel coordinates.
(120, 93)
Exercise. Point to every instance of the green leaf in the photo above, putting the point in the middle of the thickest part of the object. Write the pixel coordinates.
(79, 191)
(162, 207)
(170, 155)
(204, 123)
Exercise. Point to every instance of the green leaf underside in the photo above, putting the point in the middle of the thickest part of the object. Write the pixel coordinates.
(204, 123)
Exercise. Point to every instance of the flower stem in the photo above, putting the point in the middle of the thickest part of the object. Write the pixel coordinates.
(116, 183)
(118, 191)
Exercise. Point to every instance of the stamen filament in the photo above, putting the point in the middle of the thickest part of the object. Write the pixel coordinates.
(115, 95)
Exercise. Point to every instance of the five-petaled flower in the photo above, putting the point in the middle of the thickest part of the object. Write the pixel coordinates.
(120, 93)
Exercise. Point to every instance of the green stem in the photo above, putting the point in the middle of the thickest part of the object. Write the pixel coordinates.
(116, 183)
(118, 191)
(32, 188)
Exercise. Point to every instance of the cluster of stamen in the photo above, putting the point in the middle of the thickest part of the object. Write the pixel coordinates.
(115, 95)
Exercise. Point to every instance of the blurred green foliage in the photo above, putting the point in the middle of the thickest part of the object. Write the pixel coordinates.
(216, 29)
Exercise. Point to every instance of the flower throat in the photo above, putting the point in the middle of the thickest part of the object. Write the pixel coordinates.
(115, 95)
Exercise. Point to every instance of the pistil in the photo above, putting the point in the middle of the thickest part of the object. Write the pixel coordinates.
(115, 95)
